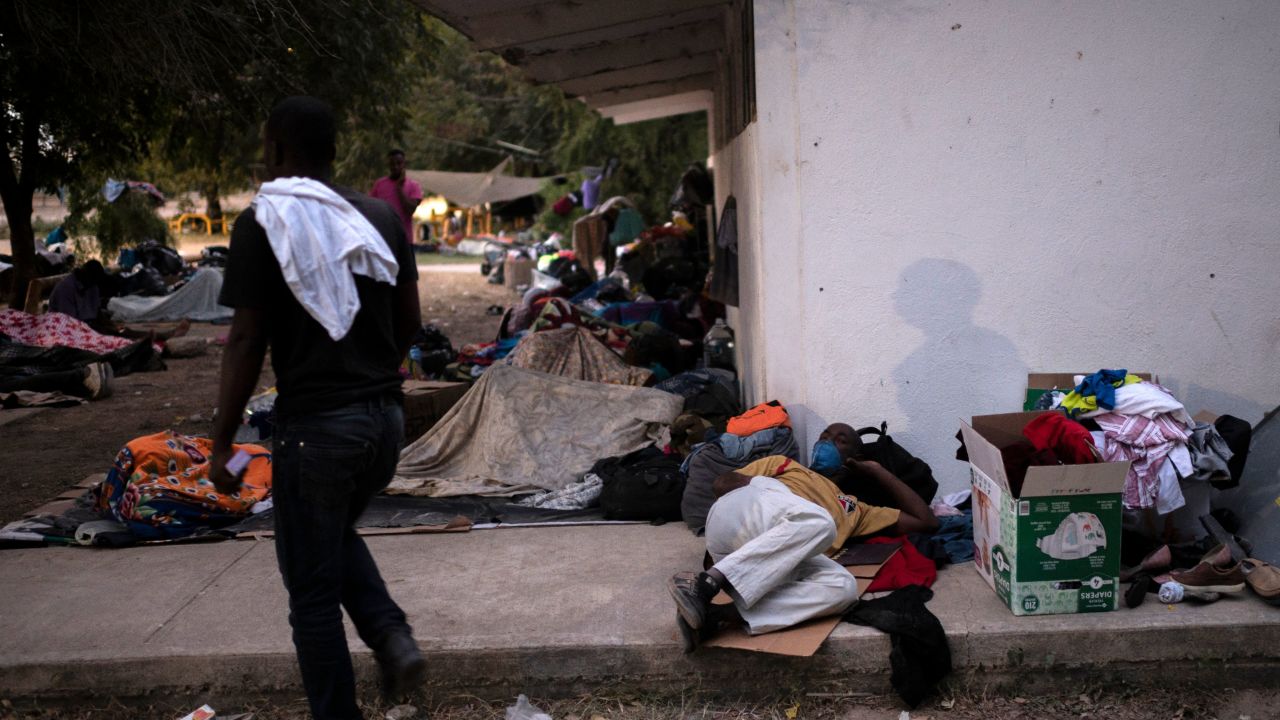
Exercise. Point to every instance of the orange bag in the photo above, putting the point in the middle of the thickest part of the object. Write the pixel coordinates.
(761, 417)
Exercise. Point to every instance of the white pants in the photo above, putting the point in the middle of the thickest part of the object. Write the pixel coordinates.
(768, 542)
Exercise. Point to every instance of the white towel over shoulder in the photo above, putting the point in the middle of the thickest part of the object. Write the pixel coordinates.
(321, 240)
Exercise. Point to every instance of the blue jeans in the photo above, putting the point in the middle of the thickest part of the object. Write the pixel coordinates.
(326, 467)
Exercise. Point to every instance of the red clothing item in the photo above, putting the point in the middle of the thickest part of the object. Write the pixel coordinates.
(906, 567)
(1065, 437)
(385, 189)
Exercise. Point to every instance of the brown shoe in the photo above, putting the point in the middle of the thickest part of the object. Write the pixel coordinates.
(1207, 577)
(1159, 559)
(1263, 578)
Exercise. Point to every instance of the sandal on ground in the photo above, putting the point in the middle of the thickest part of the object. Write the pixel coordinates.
(1263, 578)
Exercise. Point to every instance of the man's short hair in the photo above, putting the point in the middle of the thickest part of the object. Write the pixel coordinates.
(395, 151)
(307, 127)
(92, 272)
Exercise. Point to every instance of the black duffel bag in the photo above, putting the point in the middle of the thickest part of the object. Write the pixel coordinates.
(643, 485)
(908, 468)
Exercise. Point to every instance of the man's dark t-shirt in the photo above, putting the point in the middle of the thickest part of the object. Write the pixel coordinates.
(314, 372)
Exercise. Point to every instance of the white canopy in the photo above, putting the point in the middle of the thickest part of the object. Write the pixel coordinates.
(474, 189)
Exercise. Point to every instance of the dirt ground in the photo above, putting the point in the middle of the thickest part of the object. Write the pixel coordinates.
(1120, 703)
(44, 453)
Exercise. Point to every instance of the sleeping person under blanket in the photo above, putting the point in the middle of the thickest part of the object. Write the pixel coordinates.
(768, 534)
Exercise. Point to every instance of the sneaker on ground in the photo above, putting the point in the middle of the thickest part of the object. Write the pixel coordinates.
(689, 603)
(1207, 577)
(97, 379)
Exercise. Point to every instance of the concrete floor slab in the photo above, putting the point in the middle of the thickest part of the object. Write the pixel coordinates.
(561, 610)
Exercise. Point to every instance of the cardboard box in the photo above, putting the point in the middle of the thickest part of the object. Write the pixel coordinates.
(517, 271)
(1040, 383)
(425, 402)
(1055, 547)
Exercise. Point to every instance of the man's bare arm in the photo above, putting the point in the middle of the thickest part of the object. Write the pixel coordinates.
(408, 315)
(915, 517)
(241, 365)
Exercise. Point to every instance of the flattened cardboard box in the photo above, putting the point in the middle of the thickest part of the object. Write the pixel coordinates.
(804, 639)
(1055, 548)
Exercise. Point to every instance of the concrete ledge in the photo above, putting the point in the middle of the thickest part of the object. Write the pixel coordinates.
(562, 611)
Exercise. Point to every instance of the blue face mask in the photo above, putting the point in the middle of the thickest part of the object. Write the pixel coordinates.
(825, 458)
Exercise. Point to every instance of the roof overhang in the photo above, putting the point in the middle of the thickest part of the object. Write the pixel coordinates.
(630, 60)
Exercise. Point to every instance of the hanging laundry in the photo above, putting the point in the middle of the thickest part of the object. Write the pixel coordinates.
(626, 228)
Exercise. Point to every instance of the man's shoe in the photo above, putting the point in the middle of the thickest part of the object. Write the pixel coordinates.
(691, 605)
(1209, 578)
(1158, 560)
(97, 380)
(402, 664)
(1263, 578)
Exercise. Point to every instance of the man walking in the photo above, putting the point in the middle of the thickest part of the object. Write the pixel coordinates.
(324, 276)
(398, 191)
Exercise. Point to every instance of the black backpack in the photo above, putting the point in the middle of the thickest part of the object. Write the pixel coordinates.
(908, 468)
(643, 485)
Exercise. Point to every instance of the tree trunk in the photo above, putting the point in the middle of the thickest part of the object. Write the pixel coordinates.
(212, 201)
(17, 208)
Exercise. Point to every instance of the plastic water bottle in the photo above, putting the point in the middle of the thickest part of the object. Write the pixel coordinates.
(717, 347)
(1175, 592)
(415, 362)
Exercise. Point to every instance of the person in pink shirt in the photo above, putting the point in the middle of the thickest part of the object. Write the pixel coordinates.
(398, 191)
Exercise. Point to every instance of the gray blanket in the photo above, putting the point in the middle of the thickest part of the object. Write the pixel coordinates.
(520, 431)
(197, 300)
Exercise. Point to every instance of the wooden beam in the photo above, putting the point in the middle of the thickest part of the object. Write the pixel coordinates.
(649, 91)
(499, 25)
(661, 71)
(712, 14)
(668, 44)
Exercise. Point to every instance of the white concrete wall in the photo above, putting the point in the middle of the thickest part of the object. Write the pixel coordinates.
(936, 199)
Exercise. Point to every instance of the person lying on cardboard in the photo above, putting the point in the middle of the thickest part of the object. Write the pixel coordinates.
(767, 533)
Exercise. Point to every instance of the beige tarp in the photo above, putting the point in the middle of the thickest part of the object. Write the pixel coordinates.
(520, 431)
(476, 189)
(574, 352)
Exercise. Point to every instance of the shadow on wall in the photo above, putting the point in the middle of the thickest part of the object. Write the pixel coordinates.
(960, 370)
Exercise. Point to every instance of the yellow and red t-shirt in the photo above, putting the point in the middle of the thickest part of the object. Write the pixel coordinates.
(853, 518)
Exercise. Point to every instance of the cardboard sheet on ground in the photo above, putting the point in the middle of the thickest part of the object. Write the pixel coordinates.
(804, 639)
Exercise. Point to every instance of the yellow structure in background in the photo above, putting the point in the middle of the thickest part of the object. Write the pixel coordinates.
(177, 223)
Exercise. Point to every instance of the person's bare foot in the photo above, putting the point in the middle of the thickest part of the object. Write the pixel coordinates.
(178, 331)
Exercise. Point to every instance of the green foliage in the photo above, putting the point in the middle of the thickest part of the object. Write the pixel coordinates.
(653, 155)
(128, 221)
(470, 99)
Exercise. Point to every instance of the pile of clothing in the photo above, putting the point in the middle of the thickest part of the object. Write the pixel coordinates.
(762, 431)
(1116, 416)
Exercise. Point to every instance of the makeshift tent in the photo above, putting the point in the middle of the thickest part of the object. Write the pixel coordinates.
(574, 352)
(476, 189)
(520, 431)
